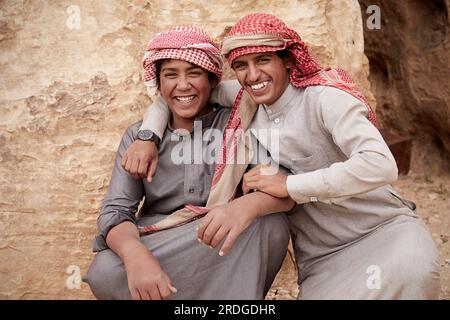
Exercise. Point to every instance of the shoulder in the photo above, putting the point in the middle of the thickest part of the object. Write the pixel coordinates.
(221, 116)
(130, 133)
(222, 111)
(334, 100)
(328, 93)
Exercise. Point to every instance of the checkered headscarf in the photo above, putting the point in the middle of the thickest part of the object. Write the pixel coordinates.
(259, 32)
(188, 43)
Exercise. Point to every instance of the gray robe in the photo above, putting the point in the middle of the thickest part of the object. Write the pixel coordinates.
(197, 271)
(354, 236)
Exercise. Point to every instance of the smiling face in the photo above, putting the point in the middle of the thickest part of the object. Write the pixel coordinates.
(264, 76)
(186, 88)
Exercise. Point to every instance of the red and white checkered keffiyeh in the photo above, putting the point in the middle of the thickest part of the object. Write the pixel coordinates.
(188, 43)
(259, 32)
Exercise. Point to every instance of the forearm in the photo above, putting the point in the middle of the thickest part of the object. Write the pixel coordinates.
(156, 117)
(146, 278)
(369, 164)
(225, 93)
(261, 204)
(359, 174)
(123, 239)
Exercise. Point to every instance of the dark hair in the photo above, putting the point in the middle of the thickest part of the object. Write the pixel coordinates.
(158, 63)
(284, 54)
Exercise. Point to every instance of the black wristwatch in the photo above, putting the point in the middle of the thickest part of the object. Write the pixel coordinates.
(148, 135)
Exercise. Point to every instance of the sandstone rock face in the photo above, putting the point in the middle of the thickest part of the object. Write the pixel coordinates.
(71, 83)
(409, 69)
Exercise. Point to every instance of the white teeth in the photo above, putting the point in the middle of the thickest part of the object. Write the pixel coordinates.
(185, 99)
(259, 86)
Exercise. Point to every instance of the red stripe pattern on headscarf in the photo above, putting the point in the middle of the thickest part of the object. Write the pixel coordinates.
(231, 136)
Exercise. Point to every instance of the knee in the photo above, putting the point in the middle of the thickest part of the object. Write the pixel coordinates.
(415, 281)
(418, 269)
(422, 271)
(277, 227)
(106, 275)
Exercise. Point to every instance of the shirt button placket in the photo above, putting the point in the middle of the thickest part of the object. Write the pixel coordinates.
(189, 175)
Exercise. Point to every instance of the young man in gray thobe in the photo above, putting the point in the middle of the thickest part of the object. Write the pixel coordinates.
(355, 237)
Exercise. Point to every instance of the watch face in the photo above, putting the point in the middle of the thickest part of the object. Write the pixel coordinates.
(145, 134)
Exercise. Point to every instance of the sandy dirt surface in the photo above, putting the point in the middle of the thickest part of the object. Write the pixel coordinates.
(431, 193)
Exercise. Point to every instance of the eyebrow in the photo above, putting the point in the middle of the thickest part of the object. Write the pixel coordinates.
(237, 61)
(175, 69)
(265, 54)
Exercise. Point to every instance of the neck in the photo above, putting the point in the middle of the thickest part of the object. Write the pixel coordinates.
(286, 84)
(188, 123)
(182, 123)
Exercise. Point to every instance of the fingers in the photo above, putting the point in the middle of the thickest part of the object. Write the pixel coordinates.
(142, 169)
(154, 293)
(255, 186)
(134, 167)
(172, 288)
(249, 186)
(138, 159)
(251, 173)
(124, 160)
(135, 294)
(127, 163)
(245, 188)
(268, 170)
(261, 169)
(152, 169)
(164, 291)
(206, 220)
(258, 179)
(210, 232)
(251, 176)
(219, 236)
(255, 169)
(255, 174)
(144, 294)
(229, 242)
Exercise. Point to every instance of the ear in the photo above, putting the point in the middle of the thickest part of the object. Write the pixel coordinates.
(214, 82)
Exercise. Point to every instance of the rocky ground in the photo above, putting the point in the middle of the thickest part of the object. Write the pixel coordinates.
(431, 193)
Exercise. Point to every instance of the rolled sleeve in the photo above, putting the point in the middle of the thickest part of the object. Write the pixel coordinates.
(105, 223)
(123, 197)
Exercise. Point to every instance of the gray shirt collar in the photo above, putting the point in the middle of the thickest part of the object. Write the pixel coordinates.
(206, 120)
(283, 104)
